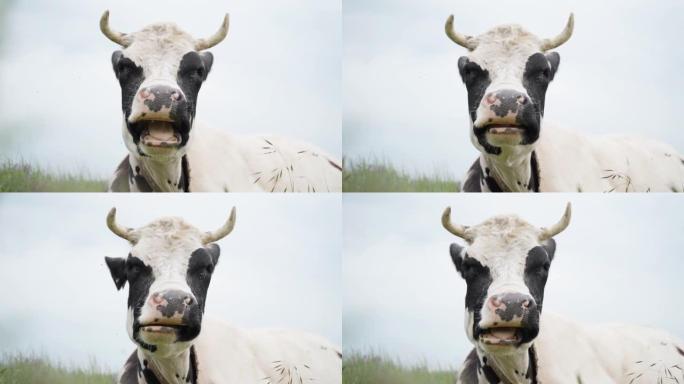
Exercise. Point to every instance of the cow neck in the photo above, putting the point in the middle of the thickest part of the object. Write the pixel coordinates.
(150, 175)
(516, 368)
(179, 369)
(507, 174)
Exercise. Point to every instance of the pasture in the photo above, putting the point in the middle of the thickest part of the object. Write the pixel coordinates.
(365, 175)
(21, 176)
(372, 368)
(22, 369)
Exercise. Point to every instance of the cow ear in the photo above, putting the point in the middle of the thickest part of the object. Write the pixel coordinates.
(214, 252)
(550, 246)
(456, 250)
(117, 267)
(554, 60)
(116, 56)
(208, 60)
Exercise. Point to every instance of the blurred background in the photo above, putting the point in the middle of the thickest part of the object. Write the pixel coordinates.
(404, 300)
(405, 104)
(279, 268)
(277, 72)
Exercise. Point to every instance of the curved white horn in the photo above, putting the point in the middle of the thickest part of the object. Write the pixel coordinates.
(122, 232)
(547, 233)
(562, 37)
(201, 44)
(462, 40)
(117, 37)
(458, 230)
(210, 237)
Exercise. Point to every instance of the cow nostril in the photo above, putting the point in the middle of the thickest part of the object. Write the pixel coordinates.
(522, 100)
(188, 301)
(496, 302)
(526, 304)
(490, 98)
(175, 96)
(156, 299)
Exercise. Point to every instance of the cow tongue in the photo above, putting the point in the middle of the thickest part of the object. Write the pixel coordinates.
(160, 133)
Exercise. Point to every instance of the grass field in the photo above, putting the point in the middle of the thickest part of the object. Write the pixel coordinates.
(381, 176)
(20, 369)
(376, 369)
(23, 177)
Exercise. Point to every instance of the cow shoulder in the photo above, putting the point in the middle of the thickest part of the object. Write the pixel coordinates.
(130, 372)
(473, 180)
(468, 373)
(120, 181)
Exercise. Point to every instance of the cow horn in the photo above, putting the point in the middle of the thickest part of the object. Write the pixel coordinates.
(122, 232)
(547, 233)
(202, 44)
(462, 40)
(562, 37)
(458, 230)
(210, 237)
(117, 37)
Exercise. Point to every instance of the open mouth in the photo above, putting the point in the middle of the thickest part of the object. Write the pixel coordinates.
(504, 129)
(501, 336)
(159, 134)
(162, 329)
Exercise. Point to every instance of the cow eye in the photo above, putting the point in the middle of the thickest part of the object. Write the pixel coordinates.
(210, 268)
(200, 72)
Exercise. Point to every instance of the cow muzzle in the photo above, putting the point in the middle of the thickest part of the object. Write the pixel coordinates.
(160, 117)
(508, 319)
(507, 117)
(169, 316)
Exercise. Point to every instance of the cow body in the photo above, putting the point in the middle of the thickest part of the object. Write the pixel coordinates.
(219, 161)
(506, 73)
(565, 160)
(168, 272)
(506, 264)
(226, 354)
(160, 70)
(567, 352)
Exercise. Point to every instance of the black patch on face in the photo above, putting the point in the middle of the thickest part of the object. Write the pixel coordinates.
(184, 181)
(537, 267)
(476, 80)
(539, 71)
(117, 268)
(478, 279)
(490, 375)
(140, 278)
(192, 71)
(130, 77)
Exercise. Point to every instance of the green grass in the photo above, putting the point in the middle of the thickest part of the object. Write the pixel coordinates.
(381, 176)
(23, 177)
(376, 369)
(20, 369)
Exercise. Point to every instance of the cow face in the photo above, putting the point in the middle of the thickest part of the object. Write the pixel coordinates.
(160, 70)
(505, 267)
(168, 272)
(506, 74)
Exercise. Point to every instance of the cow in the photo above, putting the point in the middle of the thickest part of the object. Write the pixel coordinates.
(505, 266)
(168, 272)
(506, 73)
(161, 69)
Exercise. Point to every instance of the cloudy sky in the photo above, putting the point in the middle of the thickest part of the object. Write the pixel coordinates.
(403, 297)
(277, 72)
(279, 268)
(404, 101)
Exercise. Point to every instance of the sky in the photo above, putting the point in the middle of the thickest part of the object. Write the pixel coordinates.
(404, 101)
(402, 296)
(277, 72)
(279, 268)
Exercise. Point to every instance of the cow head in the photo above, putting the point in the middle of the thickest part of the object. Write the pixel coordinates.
(160, 69)
(506, 73)
(168, 272)
(505, 266)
